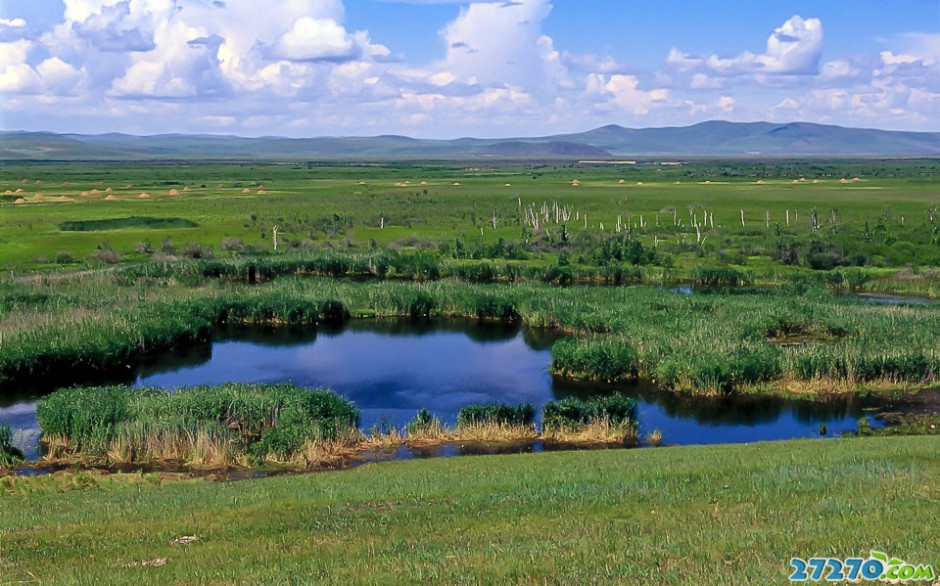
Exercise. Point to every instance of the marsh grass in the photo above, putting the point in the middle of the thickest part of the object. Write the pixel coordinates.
(600, 420)
(9, 453)
(216, 426)
(599, 431)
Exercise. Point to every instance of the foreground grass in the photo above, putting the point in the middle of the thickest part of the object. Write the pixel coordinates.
(705, 515)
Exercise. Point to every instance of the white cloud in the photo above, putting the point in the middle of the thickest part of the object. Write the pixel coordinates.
(622, 93)
(313, 39)
(58, 76)
(792, 49)
(499, 44)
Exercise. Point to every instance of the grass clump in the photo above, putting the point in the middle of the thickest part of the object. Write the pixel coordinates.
(9, 454)
(609, 419)
(500, 413)
(215, 426)
(496, 422)
(605, 358)
(426, 427)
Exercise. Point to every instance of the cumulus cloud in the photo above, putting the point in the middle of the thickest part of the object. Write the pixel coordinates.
(299, 68)
(792, 49)
(622, 92)
(315, 39)
(499, 43)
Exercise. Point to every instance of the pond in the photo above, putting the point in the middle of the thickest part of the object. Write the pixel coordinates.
(392, 368)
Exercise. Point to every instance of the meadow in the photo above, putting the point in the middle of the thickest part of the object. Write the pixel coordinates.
(768, 218)
(708, 515)
(707, 277)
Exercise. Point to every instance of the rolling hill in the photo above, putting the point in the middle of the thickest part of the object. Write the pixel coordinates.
(714, 138)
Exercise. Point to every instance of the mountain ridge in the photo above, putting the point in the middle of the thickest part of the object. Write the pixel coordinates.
(716, 138)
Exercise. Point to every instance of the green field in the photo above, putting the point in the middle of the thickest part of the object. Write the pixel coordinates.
(97, 277)
(703, 515)
(872, 214)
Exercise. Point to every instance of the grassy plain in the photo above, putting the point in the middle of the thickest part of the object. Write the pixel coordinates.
(97, 280)
(703, 515)
(881, 220)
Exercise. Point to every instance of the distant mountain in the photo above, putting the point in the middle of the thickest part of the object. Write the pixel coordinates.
(715, 138)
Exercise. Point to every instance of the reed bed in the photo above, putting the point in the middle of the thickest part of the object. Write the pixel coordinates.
(729, 340)
(214, 426)
(600, 420)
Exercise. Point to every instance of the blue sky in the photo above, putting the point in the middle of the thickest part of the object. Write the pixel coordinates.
(446, 68)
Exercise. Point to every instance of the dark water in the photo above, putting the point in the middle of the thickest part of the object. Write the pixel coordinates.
(390, 369)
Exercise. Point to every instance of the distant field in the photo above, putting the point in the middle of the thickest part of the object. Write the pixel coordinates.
(407, 205)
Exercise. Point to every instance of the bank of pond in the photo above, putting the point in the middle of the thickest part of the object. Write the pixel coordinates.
(414, 387)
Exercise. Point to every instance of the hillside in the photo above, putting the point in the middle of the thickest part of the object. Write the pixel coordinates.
(714, 138)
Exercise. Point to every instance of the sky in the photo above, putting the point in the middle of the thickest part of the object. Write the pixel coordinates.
(453, 68)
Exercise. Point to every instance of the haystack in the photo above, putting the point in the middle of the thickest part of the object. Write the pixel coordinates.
(708, 182)
(144, 196)
(221, 186)
(815, 181)
(261, 192)
(678, 183)
(24, 180)
(246, 190)
(856, 179)
(129, 186)
(39, 182)
(64, 199)
(362, 183)
(19, 200)
(424, 183)
(639, 183)
(456, 184)
(85, 194)
(174, 191)
(802, 179)
(110, 198)
(18, 190)
(37, 197)
(843, 180)
(622, 181)
(101, 183)
(187, 188)
(108, 190)
(95, 192)
(759, 182)
(8, 192)
(795, 181)
(508, 185)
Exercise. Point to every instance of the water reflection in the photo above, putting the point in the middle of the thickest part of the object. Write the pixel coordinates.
(392, 368)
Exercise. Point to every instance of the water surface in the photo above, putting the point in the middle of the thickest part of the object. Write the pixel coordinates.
(392, 368)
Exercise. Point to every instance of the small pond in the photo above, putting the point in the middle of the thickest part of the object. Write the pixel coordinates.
(392, 368)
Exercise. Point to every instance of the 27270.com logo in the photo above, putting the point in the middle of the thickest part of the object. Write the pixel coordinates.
(878, 566)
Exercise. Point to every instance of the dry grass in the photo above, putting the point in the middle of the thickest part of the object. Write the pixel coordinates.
(494, 432)
(600, 432)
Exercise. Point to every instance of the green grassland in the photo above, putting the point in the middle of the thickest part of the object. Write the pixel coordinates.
(881, 220)
(510, 242)
(703, 515)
